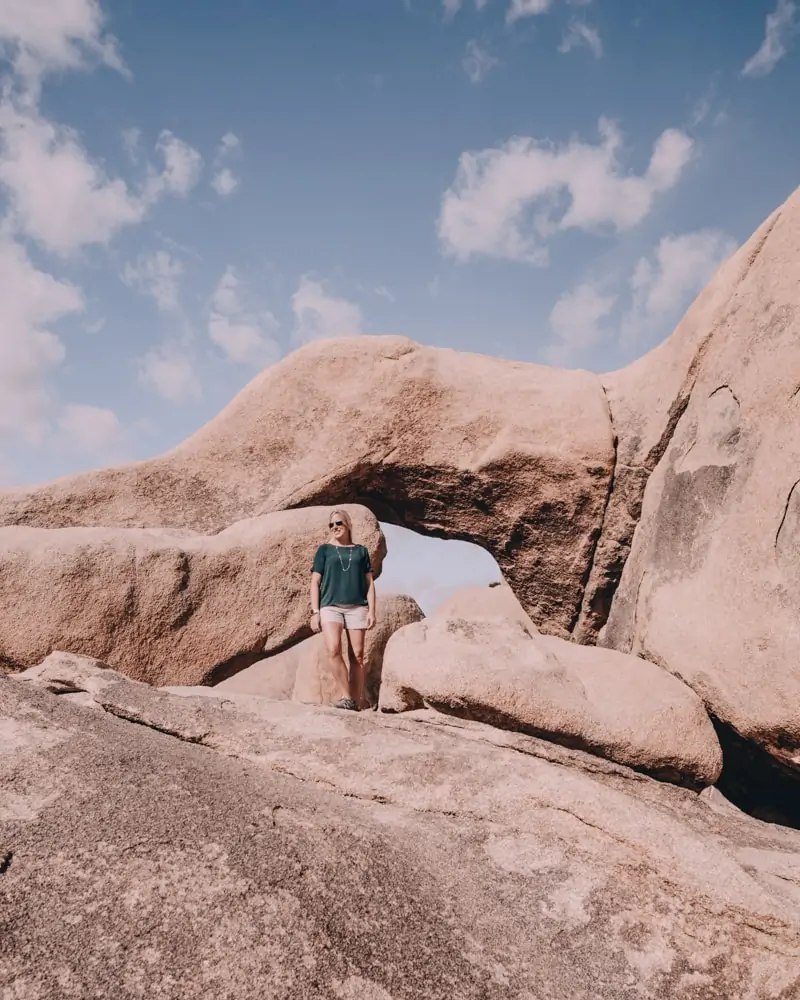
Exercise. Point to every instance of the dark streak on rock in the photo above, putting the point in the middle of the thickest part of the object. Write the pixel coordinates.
(598, 534)
(785, 511)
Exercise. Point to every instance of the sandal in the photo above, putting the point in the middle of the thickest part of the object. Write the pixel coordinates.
(346, 703)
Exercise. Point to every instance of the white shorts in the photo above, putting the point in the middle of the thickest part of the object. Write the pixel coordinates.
(349, 615)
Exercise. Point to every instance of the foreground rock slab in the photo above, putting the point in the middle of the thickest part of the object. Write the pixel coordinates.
(238, 847)
(302, 672)
(515, 457)
(493, 670)
(164, 606)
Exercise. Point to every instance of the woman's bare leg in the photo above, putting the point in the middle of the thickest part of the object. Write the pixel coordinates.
(357, 679)
(332, 631)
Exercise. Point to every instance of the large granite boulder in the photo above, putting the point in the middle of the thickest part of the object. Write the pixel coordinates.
(495, 601)
(515, 457)
(164, 605)
(711, 589)
(237, 847)
(302, 672)
(493, 670)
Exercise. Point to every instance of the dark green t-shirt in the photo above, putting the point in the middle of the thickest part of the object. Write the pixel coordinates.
(344, 571)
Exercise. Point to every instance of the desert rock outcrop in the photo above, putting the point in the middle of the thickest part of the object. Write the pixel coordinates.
(477, 603)
(302, 671)
(163, 605)
(493, 670)
(515, 457)
(711, 589)
(236, 847)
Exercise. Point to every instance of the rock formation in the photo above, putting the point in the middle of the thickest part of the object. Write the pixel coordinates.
(163, 605)
(515, 457)
(493, 670)
(656, 508)
(235, 847)
(476, 603)
(302, 672)
(711, 589)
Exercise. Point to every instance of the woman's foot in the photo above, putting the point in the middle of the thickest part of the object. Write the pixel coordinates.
(347, 704)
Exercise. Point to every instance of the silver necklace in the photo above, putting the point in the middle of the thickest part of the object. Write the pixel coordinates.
(339, 554)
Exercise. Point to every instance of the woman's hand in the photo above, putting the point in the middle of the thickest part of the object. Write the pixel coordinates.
(316, 625)
(370, 620)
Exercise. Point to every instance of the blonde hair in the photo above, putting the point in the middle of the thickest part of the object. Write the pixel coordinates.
(345, 517)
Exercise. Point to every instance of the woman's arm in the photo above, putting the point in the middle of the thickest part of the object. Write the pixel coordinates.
(315, 581)
(371, 616)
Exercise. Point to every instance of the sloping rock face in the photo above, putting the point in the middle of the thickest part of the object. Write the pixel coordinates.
(616, 706)
(476, 603)
(164, 606)
(236, 847)
(302, 672)
(514, 457)
(711, 589)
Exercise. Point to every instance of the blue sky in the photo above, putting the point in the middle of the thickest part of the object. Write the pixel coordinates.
(186, 197)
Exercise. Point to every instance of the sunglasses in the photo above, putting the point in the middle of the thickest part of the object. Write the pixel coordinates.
(336, 524)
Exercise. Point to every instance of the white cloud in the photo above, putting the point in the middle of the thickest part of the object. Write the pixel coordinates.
(244, 335)
(478, 62)
(319, 315)
(663, 285)
(182, 168)
(576, 318)
(131, 138)
(62, 199)
(158, 275)
(579, 34)
(43, 36)
(505, 202)
(384, 293)
(57, 195)
(90, 431)
(29, 351)
(225, 182)
(228, 143)
(451, 8)
(526, 8)
(169, 370)
(781, 26)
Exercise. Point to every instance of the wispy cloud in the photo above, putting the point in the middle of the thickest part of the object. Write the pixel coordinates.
(781, 28)
(478, 62)
(579, 34)
(29, 351)
(319, 315)
(504, 201)
(526, 8)
(55, 36)
(157, 275)
(169, 370)
(60, 197)
(576, 320)
(224, 181)
(244, 334)
(663, 283)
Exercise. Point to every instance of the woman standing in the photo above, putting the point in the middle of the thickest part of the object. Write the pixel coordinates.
(343, 597)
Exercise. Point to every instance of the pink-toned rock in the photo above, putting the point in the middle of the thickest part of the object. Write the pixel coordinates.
(302, 671)
(494, 601)
(235, 847)
(515, 457)
(711, 589)
(616, 706)
(164, 606)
